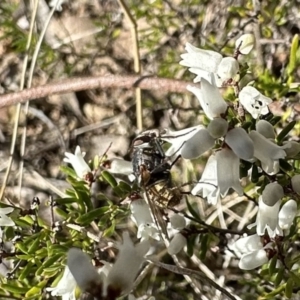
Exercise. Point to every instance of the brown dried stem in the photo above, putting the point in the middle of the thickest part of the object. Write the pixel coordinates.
(85, 83)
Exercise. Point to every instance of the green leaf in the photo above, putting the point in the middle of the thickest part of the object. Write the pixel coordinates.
(125, 187)
(7, 287)
(279, 277)
(49, 262)
(33, 291)
(191, 210)
(293, 55)
(204, 246)
(289, 288)
(284, 165)
(110, 230)
(109, 179)
(68, 171)
(285, 131)
(92, 215)
(26, 271)
(272, 265)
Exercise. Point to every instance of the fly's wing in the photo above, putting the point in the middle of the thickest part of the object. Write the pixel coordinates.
(157, 217)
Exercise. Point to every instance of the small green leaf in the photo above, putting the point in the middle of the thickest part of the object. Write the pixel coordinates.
(284, 165)
(191, 210)
(109, 178)
(110, 230)
(204, 246)
(13, 288)
(125, 187)
(92, 215)
(285, 131)
(26, 271)
(293, 55)
(279, 277)
(33, 292)
(272, 265)
(68, 171)
(289, 288)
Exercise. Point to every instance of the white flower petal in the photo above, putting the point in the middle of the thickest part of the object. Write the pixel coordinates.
(228, 68)
(176, 244)
(240, 143)
(266, 129)
(217, 127)
(272, 193)
(228, 172)
(292, 148)
(253, 260)
(208, 184)
(78, 163)
(177, 221)
(245, 43)
(267, 219)
(266, 151)
(205, 60)
(210, 99)
(200, 142)
(247, 244)
(295, 181)
(82, 269)
(254, 102)
(287, 214)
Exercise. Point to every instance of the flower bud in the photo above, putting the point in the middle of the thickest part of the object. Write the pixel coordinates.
(227, 68)
(240, 143)
(272, 193)
(177, 222)
(245, 43)
(293, 150)
(176, 244)
(296, 183)
(217, 127)
(287, 214)
(266, 129)
(201, 142)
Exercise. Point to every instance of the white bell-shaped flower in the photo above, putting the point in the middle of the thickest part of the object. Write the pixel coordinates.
(295, 181)
(240, 143)
(177, 221)
(267, 219)
(82, 269)
(127, 265)
(78, 163)
(292, 148)
(287, 215)
(272, 193)
(120, 166)
(208, 183)
(140, 213)
(227, 69)
(217, 127)
(210, 99)
(253, 259)
(4, 219)
(199, 143)
(245, 43)
(228, 172)
(66, 287)
(251, 252)
(254, 102)
(178, 138)
(266, 151)
(176, 244)
(209, 65)
(266, 129)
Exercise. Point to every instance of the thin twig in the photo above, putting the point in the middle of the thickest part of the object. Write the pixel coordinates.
(137, 63)
(86, 83)
(17, 115)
